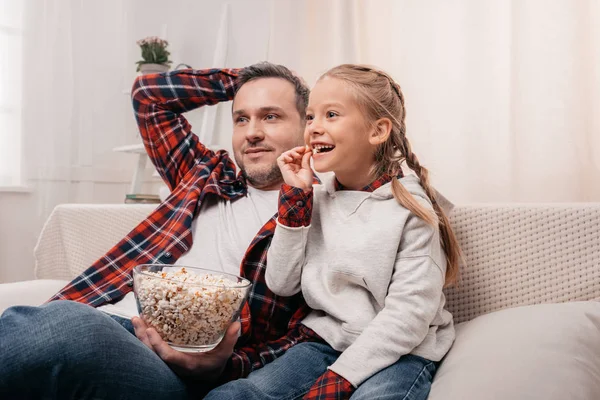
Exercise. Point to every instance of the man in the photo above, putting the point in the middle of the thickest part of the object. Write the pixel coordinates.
(66, 349)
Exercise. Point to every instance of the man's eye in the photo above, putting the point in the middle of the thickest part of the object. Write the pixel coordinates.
(240, 120)
(331, 114)
(270, 117)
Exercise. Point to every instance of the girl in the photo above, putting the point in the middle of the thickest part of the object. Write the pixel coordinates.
(370, 249)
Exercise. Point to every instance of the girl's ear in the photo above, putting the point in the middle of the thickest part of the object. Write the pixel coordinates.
(381, 131)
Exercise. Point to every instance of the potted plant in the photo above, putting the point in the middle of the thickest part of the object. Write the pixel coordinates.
(155, 56)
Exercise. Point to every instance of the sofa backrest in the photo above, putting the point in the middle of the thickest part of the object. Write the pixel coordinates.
(76, 235)
(525, 254)
(515, 254)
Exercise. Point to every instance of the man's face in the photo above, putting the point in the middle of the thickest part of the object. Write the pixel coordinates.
(266, 123)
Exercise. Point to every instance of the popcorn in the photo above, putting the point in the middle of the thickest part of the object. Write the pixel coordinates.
(188, 309)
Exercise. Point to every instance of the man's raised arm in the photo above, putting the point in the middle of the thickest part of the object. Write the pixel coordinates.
(159, 100)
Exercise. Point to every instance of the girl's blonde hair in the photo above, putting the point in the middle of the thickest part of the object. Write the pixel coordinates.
(380, 97)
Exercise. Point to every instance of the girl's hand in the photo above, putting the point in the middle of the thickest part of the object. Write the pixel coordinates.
(295, 167)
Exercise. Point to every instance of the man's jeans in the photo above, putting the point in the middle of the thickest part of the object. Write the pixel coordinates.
(67, 350)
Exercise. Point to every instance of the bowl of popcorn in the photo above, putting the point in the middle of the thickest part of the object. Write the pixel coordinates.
(191, 308)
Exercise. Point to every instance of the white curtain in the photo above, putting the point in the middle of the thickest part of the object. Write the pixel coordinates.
(503, 97)
(11, 44)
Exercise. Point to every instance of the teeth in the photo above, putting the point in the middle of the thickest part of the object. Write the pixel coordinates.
(319, 147)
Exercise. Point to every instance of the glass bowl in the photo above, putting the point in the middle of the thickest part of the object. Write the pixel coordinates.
(191, 308)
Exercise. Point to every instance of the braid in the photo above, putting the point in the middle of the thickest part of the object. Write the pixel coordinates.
(423, 173)
(447, 236)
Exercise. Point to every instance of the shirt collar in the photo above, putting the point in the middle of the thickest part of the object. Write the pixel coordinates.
(371, 187)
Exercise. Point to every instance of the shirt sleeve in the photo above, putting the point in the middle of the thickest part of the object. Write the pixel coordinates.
(330, 386)
(286, 253)
(159, 100)
(295, 206)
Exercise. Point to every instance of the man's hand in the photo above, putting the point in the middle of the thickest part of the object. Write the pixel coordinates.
(206, 366)
(295, 167)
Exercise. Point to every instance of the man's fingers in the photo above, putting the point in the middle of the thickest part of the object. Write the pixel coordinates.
(163, 350)
(230, 339)
(140, 328)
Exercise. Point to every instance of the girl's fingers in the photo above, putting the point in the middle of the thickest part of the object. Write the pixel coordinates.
(299, 149)
(306, 160)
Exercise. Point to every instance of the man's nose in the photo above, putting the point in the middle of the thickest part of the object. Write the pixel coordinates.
(255, 132)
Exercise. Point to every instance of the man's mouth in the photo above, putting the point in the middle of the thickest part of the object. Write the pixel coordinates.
(256, 150)
(322, 148)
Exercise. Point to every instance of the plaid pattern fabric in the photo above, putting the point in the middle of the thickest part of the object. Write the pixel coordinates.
(371, 187)
(330, 386)
(295, 206)
(270, 324)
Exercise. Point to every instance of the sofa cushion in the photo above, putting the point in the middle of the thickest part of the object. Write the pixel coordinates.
(547, 351)
(28, 293)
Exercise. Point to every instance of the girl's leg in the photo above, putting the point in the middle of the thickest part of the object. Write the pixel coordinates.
(408, 379)
(288, 377)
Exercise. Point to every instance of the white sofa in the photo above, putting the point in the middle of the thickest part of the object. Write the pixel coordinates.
(526, 306)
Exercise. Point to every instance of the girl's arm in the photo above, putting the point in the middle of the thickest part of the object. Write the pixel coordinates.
(285, 256)
(411, 304)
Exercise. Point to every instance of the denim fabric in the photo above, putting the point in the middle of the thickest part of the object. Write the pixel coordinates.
(292, 375)
(67, 350)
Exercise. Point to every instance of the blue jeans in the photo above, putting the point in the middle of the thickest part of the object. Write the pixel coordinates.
(67, 350)
(291, 376)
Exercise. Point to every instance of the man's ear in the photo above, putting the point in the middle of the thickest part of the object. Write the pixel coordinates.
(381, 131)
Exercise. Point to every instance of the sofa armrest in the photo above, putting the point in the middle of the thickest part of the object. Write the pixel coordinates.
(76, 235)
(28, 293)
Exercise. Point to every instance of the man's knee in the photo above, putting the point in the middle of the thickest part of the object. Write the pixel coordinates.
(56, 329)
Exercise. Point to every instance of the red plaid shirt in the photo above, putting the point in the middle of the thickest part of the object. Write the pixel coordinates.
(270, 324)
(295, 210)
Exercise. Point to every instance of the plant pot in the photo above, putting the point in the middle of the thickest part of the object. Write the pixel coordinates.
(153, 68)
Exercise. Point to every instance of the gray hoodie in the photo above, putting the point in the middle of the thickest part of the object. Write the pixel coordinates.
(373, 274)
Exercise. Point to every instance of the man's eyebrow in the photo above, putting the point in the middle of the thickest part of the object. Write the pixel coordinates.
(272, 109)
(262, 110)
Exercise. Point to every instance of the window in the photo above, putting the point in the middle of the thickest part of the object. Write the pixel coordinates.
(11, 54)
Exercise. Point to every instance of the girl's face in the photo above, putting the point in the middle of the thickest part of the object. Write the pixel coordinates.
(337, 132)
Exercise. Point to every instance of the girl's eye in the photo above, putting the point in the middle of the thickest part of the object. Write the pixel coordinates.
(331, 114)
(310, 117)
